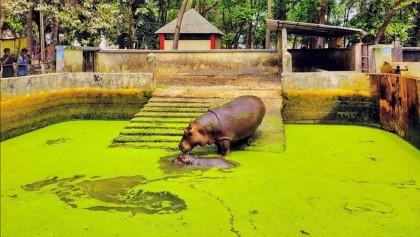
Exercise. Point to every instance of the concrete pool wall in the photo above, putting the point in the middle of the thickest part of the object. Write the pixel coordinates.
(388, 101)
(32, 102)
(330, 98)
(190, 63)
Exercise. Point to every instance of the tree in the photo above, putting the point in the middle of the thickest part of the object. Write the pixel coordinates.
(145, 26)
(29, 28)
(376, 18)
(130, 24)
(267, 32)
(178, 24)
(387, 21)
(322, 13)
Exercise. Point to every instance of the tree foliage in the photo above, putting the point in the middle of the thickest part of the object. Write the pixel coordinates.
(242, 21)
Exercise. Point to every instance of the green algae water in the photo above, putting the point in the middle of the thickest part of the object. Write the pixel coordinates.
(64, 180)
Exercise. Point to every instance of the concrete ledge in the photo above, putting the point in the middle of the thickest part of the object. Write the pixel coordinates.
(316, 81)
(17, 86)
(413, 68)
(188, 51)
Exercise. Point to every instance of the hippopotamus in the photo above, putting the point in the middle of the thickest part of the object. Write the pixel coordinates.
(234, 121)
(205, 162)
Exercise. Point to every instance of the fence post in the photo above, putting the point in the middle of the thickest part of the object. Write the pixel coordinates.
(151, 66)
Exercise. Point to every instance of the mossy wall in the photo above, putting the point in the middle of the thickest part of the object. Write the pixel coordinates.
(330, 98)
(32, 102)
(26, 113)
(73, 59)
(191, 62)
(33, 84)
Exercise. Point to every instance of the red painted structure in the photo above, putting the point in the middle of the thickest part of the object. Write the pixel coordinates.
(162, 41)
(212, 41)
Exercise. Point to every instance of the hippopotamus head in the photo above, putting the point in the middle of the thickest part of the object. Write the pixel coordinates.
(195, 134)
(184, 160)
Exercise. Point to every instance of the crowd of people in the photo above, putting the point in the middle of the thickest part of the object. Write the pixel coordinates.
(8, 62)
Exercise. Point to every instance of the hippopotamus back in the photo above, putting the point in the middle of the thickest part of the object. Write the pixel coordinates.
(239, 118)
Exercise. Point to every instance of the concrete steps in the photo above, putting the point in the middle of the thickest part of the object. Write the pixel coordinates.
(161, 122)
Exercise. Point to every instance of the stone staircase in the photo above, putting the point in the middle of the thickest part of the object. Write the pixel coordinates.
(160, 123)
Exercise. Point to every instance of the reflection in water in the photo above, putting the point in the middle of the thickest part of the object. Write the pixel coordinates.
(120, 194)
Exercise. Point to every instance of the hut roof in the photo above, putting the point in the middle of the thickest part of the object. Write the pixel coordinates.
(301, 28)
(192, 23)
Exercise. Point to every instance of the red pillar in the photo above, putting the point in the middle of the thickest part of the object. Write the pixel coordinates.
(213, 41)
(162, 41)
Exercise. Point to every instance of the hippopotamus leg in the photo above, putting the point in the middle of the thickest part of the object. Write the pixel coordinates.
(225, 144)
(219, 147)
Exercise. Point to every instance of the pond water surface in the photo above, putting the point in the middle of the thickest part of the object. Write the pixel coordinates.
(63, 180)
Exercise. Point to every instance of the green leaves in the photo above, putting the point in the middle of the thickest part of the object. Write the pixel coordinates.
(85, 21)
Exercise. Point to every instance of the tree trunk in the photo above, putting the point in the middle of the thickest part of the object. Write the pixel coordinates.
(322, 13)
(236, 37)
(41, 33)
(249, 35)
(130, 24)
(54, 33)
(387, 21)
(248, 44)
(267, 32)
(1, 17)
(178, 24)
(162, 12)
(294, 41)
(29, 29)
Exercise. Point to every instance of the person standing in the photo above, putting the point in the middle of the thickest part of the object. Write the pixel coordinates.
(7, 64)
(23, 62)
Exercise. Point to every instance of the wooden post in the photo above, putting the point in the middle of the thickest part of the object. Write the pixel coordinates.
(279, 52)
(151, 66)
(285, 58)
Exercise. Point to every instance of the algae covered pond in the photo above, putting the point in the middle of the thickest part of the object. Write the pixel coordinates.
(63, 180)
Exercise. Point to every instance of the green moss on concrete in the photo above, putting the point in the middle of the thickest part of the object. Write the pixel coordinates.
(153, 131)
(168, 115)
(29, 112)
(330, 181)
(330, 107)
